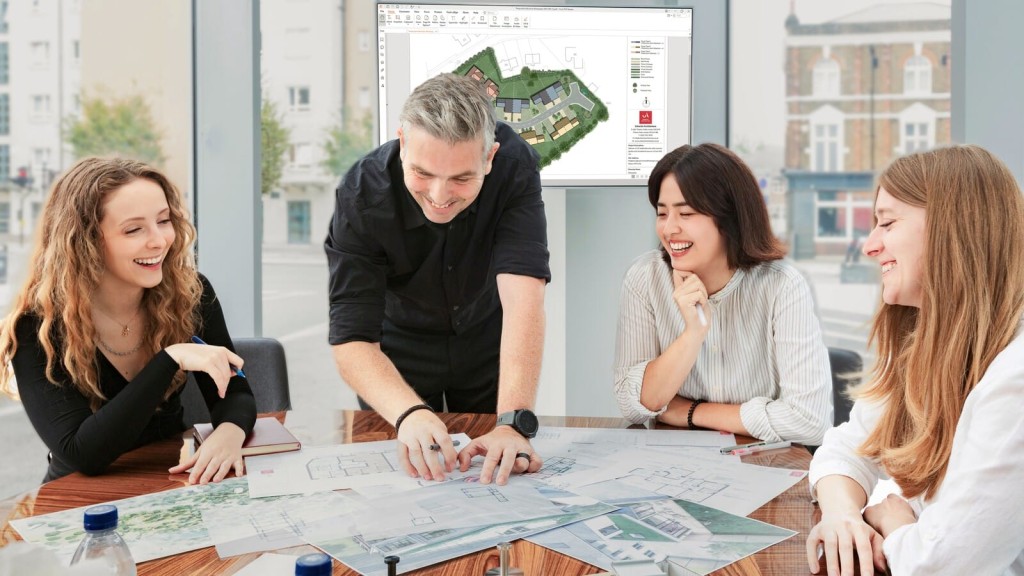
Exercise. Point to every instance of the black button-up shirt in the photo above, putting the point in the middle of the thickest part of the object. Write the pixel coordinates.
(387, 260)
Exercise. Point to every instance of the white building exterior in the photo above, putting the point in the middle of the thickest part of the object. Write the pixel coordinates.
(302, 59)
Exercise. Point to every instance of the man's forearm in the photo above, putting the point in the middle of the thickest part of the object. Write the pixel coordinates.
(374, 377)
(522, 341)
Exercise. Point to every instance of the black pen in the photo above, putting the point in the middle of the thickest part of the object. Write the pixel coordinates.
(436, 447)
(238, 371)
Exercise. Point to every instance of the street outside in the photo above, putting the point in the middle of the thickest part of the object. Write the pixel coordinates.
(295, 312)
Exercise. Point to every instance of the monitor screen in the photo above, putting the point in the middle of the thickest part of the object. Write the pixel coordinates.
(601, 93)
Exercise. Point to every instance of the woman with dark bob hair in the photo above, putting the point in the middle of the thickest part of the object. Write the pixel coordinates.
(715, 329)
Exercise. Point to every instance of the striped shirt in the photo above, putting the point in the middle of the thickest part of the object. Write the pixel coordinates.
(764, 350)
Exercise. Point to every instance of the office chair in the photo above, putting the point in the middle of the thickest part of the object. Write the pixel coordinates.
(266, 368)
(846, 367)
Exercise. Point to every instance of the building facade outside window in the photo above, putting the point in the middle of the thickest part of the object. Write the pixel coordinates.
(298, 222)
(823, 96)
(298, 98)
(917, 75)
(826, 78)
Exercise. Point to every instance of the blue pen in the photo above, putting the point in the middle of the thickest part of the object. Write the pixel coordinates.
(238, 371)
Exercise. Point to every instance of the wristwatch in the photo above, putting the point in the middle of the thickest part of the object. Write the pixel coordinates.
(523, 421)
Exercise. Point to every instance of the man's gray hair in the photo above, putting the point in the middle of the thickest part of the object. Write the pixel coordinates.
(451, 108)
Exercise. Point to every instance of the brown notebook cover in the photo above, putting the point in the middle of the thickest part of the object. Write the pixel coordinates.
(268, 437)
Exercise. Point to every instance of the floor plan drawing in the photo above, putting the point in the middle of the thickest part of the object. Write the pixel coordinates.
(336, 467)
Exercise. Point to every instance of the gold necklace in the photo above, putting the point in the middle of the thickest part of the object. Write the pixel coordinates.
(106, 347)
(125, 328)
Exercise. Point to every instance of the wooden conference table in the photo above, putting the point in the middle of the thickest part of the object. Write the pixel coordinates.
(145, 471)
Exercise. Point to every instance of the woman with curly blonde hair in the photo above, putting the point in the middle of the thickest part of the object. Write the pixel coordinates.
(941, 412)
(98, 336)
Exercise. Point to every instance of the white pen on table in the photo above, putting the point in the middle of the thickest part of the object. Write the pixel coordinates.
(754, 447)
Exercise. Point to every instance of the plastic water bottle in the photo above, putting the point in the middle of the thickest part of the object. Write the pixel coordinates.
(316, 564)
(102, 542)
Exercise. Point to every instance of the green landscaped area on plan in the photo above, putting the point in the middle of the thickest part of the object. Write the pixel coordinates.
(550, 109)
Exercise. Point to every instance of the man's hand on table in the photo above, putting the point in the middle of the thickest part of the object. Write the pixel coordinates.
(505, 449)
(419, 431)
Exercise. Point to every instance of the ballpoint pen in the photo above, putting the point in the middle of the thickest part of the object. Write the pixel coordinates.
(744, 449)
(238, 371)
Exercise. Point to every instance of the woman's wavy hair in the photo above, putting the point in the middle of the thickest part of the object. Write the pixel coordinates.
(716, 182)
(930, 358)
(68, 263)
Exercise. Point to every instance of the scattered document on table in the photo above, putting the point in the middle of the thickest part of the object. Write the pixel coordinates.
(697, 538)
(335, 467)
(710, 480)
(270, 524)
(269, 564)
(417, 550)
(154, 525)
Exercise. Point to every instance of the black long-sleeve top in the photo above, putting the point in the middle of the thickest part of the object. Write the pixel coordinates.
(135, 412)
(387, 260)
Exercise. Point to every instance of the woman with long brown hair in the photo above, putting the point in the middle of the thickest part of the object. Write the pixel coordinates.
(98, 337)
(941, 413)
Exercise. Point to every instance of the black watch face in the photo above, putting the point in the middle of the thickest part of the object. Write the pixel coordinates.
(527, 421)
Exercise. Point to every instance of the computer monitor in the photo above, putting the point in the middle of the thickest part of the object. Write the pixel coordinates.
(602, 93)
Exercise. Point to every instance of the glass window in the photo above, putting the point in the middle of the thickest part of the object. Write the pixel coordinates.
(40, 106)
(58, 53)
(917, 75)
(917, 128)
(4, 64)
(5, 219)
(319, 140)
(842, 88)
(826, 78)
(298, 222)
(40, 54)
(5, 114)
(298, 98)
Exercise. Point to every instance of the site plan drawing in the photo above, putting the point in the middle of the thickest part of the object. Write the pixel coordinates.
(552, 109)
(153, 525)
(696, 537)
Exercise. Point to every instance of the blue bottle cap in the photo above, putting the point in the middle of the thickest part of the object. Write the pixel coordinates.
(315, 564)
(100, 517)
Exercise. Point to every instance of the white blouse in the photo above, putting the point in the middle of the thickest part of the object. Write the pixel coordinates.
(975, 522)
(764, 350)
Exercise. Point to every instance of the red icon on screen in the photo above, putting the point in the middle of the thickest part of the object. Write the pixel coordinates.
(646, 117)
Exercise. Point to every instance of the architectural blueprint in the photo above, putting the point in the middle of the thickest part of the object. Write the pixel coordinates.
(366, 555)
(715, 481)
(335, 467)
(271, 523)
(696, 537)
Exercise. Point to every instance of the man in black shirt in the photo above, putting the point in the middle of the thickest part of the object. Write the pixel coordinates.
(438, 264)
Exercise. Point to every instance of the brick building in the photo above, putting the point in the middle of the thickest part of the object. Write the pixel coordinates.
(861, 90)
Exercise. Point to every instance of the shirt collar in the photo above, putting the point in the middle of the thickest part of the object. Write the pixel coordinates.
(730, 286)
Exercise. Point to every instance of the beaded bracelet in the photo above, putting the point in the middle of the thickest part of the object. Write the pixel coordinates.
(689, 415)
(398, 422)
